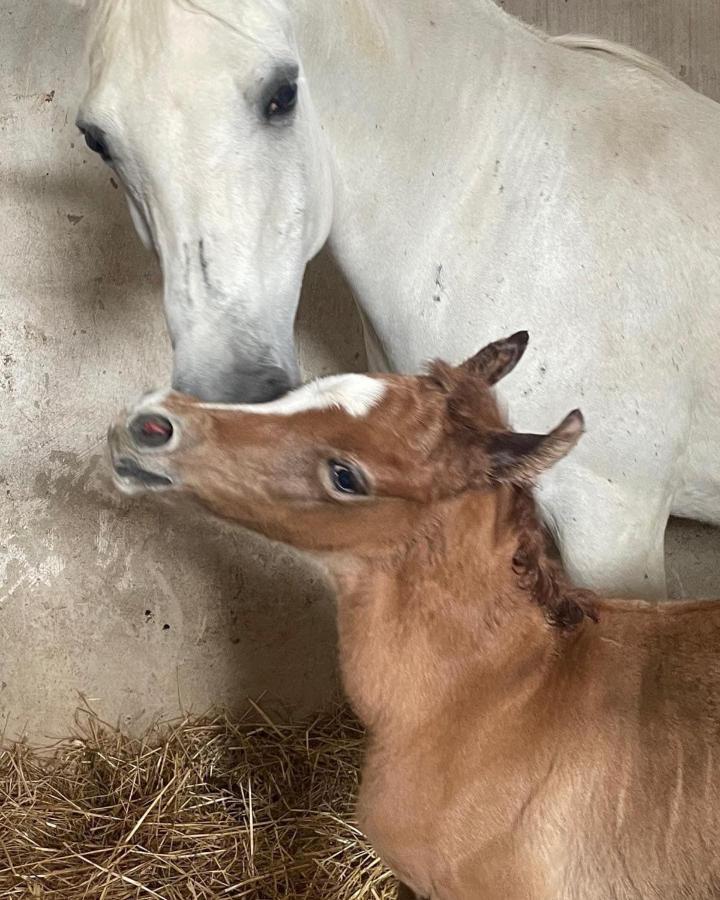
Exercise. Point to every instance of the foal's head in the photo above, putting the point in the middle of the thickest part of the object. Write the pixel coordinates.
(350, 462)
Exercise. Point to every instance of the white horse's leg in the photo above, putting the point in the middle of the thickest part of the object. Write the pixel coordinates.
(613, 541)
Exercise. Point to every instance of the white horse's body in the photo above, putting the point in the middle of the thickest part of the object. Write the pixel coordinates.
(474, 178)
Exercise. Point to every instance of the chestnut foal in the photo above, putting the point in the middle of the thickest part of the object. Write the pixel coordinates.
(526, 739)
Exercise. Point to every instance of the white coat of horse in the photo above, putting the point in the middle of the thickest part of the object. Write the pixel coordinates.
(473, 177)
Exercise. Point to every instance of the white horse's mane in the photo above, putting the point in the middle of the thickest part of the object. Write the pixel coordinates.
(145, 14)
(621, 52)
(201, 7)
(222, 13)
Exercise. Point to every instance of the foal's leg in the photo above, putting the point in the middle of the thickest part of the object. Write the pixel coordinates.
(610, 540)
(404, 893)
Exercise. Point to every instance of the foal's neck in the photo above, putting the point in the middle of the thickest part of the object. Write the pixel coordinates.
(445, 610)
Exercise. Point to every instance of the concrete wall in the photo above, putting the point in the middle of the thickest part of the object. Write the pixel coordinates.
(134, 605)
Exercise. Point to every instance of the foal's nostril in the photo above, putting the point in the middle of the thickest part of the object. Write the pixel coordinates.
(151, 431)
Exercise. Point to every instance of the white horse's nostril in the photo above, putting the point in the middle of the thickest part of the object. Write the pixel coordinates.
(151, 431)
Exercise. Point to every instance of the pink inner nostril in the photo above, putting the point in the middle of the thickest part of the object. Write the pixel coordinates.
(151, 431)
(152, 428)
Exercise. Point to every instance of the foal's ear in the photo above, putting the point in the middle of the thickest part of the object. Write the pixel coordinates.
(497, 359)
(521, 458)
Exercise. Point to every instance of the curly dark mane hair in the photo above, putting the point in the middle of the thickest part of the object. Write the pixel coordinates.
(541, 575)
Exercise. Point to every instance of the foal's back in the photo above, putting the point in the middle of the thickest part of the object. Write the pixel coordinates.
(605, 782)
(631, 805)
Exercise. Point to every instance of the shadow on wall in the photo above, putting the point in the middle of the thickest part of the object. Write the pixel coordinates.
(164, 608)
(82, 231)
(92, 212)
(139, 606)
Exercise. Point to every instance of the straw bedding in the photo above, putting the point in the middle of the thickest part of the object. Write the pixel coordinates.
(195, 809)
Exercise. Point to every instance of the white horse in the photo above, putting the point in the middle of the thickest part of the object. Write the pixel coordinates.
(473, 177)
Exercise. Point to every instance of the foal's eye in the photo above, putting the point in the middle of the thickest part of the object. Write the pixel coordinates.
(347, 479)
(283, 101)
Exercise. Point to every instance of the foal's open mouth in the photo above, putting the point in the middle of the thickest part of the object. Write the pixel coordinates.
(129, 472)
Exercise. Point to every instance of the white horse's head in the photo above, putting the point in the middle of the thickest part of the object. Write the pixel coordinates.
(200, 108)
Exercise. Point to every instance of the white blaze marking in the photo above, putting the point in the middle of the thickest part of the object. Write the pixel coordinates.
(356, 394)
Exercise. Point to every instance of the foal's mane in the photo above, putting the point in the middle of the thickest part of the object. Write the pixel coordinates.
(540, 574)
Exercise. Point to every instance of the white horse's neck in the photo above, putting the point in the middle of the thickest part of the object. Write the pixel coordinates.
(401, 69)
(409, 97)
(360, 30)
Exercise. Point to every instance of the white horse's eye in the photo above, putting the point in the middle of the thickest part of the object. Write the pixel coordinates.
(283, 101)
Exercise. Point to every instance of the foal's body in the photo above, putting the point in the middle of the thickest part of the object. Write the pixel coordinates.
(471, 176)
(527, 741)
(522, 762)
